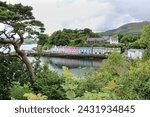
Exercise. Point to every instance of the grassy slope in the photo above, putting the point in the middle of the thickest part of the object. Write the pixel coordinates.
(135, 28)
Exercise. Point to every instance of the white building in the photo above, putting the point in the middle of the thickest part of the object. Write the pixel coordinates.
(113, 40)
(135, 53)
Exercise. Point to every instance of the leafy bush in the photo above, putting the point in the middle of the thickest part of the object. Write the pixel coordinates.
(48, 83)
(73, 85)
(17, 91)
(12, 69)
(138, 79)
(31, 96)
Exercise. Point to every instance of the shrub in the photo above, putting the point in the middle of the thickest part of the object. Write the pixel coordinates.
(12, 69)
(17, 91)
(49, 83)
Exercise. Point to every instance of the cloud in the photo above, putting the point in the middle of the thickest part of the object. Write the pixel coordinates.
(99, 15)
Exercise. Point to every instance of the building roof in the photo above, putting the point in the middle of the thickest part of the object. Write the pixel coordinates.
(112, 38)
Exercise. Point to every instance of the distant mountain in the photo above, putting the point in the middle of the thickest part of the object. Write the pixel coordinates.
(130, 28)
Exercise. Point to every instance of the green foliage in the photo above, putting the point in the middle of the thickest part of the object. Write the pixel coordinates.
(146, 55)
(72, 84)
(145, 37)
(16, 12)
(59, 38)
(48, 83)
(43, 39)
(93, 96)
(128, 38)
(116, 64)
(97, 81)
(17, 91)
(18, 20)
(136, 44)
(67, 74)
(71, 37)
(134, 85)
(31, 96)
(12, 69)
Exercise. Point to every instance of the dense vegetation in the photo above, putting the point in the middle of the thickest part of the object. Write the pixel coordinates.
(12, 69)
(18, 25)
(67, 37)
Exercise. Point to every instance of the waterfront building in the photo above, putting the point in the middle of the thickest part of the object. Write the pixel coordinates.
(56, 49)
(61, 49)
(53, 49)
(98, 50)
(71, 50)
(85, 50)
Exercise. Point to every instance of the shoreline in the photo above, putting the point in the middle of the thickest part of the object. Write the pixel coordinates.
(73, 56)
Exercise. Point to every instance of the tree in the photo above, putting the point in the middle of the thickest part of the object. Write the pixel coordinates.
(87, 31)
(19, 24)
(146, 55)
(128, 38)
(43, 39)
(12, 69)
(69, 37)
(145, 37)
(116, 64)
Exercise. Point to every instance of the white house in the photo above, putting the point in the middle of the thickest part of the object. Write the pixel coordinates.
(135, 53)
(113, 40)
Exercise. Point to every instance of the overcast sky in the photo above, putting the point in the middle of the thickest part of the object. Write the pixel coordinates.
(98, 15)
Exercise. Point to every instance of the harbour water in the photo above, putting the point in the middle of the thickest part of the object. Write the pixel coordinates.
(79, 67)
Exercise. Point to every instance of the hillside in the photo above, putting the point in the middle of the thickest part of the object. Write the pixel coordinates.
(134, 28)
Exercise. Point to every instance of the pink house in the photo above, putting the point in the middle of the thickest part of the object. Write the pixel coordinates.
(71, 50)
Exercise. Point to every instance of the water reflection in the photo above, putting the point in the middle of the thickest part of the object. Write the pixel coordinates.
(79, 67)
(74, 63)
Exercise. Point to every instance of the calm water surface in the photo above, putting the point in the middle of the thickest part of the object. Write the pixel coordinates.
(79, 67)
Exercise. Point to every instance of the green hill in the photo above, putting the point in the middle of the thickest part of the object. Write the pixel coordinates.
(130, 28)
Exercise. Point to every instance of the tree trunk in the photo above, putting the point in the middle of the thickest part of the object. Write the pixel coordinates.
(27, 63)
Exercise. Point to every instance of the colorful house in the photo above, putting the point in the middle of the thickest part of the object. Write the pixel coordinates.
(98, 50)
(85, 50)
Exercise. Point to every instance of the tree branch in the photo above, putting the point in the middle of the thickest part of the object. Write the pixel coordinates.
(21, 39)
(27, 63)
(7, 41)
